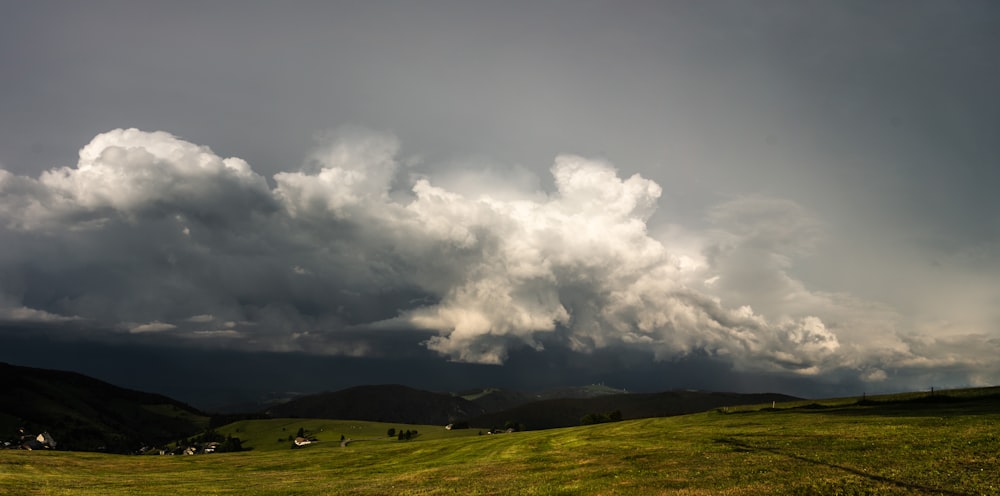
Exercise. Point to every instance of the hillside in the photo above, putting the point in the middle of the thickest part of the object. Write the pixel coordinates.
(488, 408)
(497, 400)
(567, 412)
(273, 434)
(900, 445)
(83, 413)
(382, 403)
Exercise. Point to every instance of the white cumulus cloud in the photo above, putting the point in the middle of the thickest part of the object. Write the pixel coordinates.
(155, 326)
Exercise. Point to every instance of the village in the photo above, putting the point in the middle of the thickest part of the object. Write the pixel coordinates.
(30, 442)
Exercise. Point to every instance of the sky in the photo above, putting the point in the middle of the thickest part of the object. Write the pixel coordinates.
(794, 196)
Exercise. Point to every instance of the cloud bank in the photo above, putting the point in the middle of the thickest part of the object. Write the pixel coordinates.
(155, 237)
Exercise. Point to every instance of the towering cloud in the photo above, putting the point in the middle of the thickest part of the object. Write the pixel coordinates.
(153, 236)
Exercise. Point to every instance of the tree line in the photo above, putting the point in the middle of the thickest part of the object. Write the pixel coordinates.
(601, 418)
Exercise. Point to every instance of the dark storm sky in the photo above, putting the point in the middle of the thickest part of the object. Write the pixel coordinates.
(790, 194)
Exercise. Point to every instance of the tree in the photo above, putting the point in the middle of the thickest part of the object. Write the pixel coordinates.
(391, 432)
(600, 418)
(301, 433)
(232, 444)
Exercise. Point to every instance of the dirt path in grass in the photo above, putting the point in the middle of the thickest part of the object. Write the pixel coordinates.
(347, 441)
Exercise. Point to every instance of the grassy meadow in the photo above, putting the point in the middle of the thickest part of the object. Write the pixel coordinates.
(825, 448)
(272, 434)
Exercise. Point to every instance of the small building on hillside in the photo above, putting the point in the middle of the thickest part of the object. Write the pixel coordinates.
(41, 441)
(46, 439)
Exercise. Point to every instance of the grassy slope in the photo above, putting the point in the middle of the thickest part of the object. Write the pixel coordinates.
(918, 448)
(83, 413)
(272, 434)
(567, 412)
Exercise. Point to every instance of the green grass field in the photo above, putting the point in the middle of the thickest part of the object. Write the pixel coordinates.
(272, 434)
(822, 448)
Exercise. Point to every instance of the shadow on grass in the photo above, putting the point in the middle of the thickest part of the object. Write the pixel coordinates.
(922, 406)
(745, 447)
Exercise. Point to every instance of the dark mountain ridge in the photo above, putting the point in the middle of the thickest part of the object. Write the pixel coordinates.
(86, 414)
(495, 407)
(497, 400)
(381, 403)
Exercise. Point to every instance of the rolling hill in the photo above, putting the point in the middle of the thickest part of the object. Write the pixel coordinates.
(497, 400)
(83, 413)
(494, 407)
(382, 403)
(567, 412)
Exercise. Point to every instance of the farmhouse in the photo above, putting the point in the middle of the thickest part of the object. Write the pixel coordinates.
(46, 439)
(41, 441)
